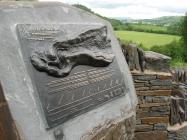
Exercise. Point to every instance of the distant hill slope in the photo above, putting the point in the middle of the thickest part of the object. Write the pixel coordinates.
(162, 25)
(163, 21)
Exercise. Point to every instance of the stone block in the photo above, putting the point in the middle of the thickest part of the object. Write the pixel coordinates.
(153, 135)
(158, 113)
(159, 82)
(161, 99)
(154, 93)
(157, 62)
(141, 100)
(137, 85)
(164, 77)
(161, 87)
(145, 77)
(153, 120)
(142, 114)
(160, 126)
(114, 131)
(142, 88)
(148, 99)
(138, 121)
(161, 108)
(153, 104)
(33, 39)
(141, 81)
(143, 128)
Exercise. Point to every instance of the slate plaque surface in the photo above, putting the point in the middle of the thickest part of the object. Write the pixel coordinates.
(85, 76)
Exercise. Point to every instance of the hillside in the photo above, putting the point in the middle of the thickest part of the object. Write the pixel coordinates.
(162, 25)
(162, 21)
(147, 40)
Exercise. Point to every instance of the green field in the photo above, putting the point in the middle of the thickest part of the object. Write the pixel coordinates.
(146, 39)
(148, 27)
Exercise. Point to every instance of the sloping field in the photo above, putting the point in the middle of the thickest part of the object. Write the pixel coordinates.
(146, 39)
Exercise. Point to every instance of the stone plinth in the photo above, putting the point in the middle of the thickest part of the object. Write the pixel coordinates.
(36, 39)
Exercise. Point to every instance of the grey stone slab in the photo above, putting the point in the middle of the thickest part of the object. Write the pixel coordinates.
(161, 82)
(145, 77)
(157, 62)
(20, 90)
(160, 126)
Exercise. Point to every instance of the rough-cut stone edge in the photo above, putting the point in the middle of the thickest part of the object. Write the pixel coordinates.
(110, 128)
(153, 120)
(150, 72)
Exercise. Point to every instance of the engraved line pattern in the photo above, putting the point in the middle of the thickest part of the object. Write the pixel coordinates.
(85, 97)
(116, 92)
(77, 81)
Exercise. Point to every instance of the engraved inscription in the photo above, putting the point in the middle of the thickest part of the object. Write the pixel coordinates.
(39, 33)
(78, 80)
(73, 73)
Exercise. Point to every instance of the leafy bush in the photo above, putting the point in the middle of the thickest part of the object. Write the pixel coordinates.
(175, 50)
(178, 63)
(184, 30)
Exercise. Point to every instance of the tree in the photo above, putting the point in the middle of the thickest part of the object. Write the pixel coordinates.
(184, 29)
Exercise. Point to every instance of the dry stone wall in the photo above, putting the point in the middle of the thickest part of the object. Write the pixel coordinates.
(153, 110)
(178, 115)
(153, 83)
(178, 104)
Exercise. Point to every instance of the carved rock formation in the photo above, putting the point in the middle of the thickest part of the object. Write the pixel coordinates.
(179, 96)
(179, 75)
(89, 48)
(134, 56)
(156, 61)
(178, 104)
(140, 60)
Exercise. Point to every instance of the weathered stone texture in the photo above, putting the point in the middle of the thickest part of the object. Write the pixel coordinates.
(156, 61)
(134, 56)
(179, 104)
(160, 126)
(143, 128)
(178, 135)
(153, 111)
(45, 19)
(180, 75)
(115, 131)
(155, 93)
(151, 135)
(154, 120)
(140, 60)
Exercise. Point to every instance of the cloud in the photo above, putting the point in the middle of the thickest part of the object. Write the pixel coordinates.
(134, 8)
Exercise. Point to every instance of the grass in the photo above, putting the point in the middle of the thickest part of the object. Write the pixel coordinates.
(146, 39)
(149, 27)
(178, 63)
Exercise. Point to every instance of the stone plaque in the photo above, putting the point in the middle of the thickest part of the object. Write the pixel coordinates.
(72, 66)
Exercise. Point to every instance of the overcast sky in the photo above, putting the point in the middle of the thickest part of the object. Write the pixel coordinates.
(136, 9)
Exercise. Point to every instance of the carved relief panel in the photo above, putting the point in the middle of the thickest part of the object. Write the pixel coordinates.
(72, 66)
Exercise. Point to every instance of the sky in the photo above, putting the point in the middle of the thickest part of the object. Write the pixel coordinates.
(135, 9)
